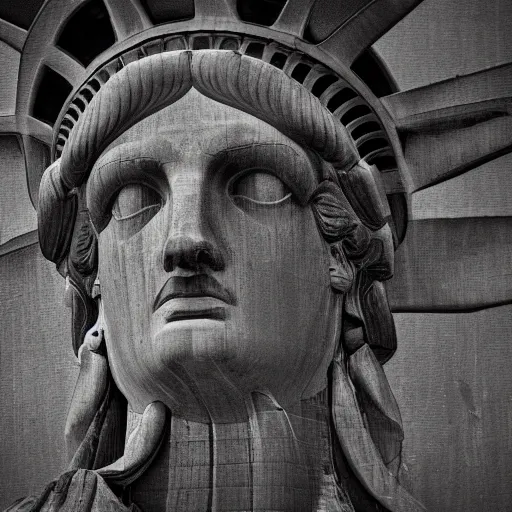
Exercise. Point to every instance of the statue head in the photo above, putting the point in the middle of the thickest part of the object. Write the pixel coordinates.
(232, 216)
(216, 221)
(213, 272)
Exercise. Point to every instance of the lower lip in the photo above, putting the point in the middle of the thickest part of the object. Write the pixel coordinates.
(216, 313)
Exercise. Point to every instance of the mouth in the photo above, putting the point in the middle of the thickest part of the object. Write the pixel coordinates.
(201, 285)
(218, 313)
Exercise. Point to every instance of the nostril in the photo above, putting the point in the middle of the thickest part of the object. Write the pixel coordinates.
(203, 257)
(168, 265)
(190, 254)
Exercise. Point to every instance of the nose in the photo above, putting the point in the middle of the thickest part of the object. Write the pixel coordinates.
(191, 254)
(190, 244)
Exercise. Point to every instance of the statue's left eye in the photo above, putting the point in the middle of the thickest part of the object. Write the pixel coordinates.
(260, 187)
(134, 199)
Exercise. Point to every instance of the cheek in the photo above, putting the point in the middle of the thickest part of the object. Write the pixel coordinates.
(281, 273)
(126, 286)
(278, 251)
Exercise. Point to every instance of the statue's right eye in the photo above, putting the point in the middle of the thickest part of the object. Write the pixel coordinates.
(135, 199)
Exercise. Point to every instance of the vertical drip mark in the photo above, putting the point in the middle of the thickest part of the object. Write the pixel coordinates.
(254, 434)
(212, 495)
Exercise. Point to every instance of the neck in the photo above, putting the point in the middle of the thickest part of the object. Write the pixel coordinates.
(274, 460)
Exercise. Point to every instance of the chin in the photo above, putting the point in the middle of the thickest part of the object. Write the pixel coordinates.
(187, 342)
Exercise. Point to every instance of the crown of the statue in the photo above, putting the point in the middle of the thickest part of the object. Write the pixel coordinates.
(312, 41)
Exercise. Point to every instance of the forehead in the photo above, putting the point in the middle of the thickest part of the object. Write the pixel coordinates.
(204, 124)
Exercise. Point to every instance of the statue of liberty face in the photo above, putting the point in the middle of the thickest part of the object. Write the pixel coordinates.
(214, 276)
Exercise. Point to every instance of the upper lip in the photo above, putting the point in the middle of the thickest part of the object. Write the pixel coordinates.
(199, 285)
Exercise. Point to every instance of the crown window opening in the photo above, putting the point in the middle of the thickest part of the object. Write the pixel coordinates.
(94, 84)
(278, 60)
(167, 11)
(322, 83)
(365, 128)
(67, 124)
(260, 12)
(230, 43)
(384, 163)
(79, 104)
(255, 50)
(73, 114)
(340, 98)
(372, 145)
(300, 72)
(201, 43)
(102, 77)
(175, 43)
(21, 14)
(373, 72)
(51, 94)
(86, 94)
(87, 33)
(355, 113)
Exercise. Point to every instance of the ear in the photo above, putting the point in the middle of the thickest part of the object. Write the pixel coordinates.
(340, 268)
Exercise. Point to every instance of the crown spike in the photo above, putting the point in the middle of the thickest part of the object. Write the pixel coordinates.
(8, 124)
(414, 108)
(470, 113)
(473, 273)
(26, 125)
(65, 65)
(128, 17)
(290, 21)
(222, 10)
(12, 35)
(361, 30)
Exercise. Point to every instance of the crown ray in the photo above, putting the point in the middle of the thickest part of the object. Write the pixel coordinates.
(361, 30)
(12, 35)
(216, 8)
(470, 258)
(482, 192)
(288, 20)
(19, 242)
(39, 42)
(26, 125)
(128, 17)
(65, 65)
(37, 156)
(8, 124)
(453, 126)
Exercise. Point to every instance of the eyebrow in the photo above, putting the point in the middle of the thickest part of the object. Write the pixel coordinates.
(302, 175)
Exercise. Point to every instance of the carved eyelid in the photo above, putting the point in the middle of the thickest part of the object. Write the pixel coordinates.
(263, 203)
(109, 178)
(138, 212)
(251, 171)
(286, 165)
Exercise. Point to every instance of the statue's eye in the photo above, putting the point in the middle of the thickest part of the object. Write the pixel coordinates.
(135, 199)
(260, 187)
